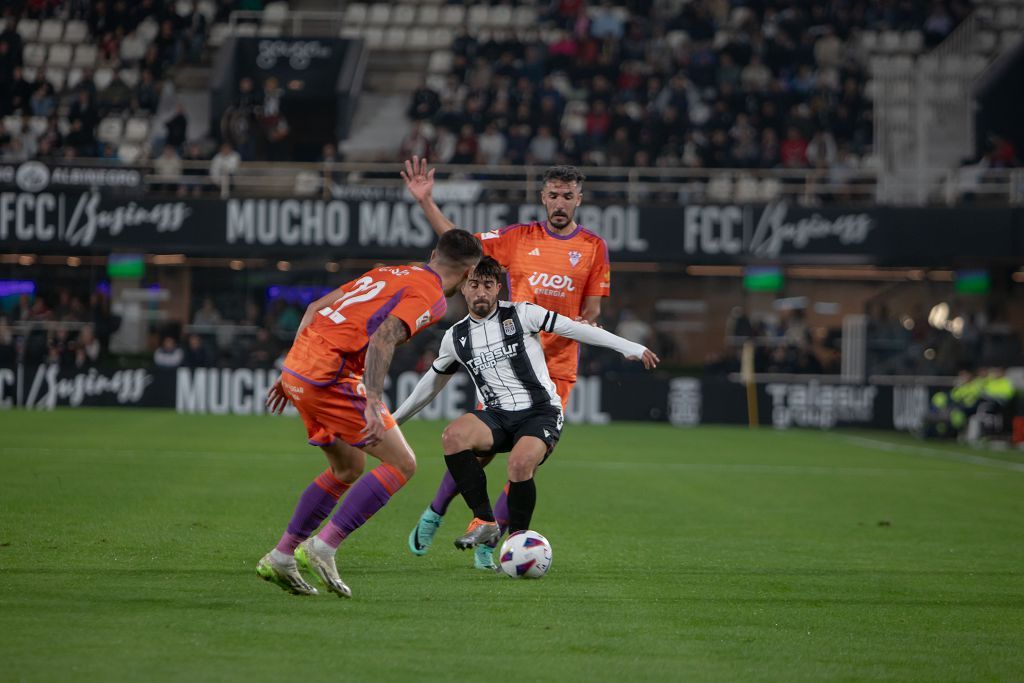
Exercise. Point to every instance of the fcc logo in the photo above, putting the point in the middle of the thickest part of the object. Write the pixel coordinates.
(32, 176)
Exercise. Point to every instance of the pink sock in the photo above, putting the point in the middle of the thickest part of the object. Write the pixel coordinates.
(288, 543)
(332, 535)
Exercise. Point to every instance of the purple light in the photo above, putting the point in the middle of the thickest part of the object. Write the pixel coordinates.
(103, 288)
(16, 287)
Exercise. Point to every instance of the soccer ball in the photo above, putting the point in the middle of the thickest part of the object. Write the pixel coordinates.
(525, 555)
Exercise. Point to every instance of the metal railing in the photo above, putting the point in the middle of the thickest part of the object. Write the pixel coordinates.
(656, 185)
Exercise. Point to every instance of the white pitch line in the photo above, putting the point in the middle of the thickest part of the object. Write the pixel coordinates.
(931, 452)
(744, 467)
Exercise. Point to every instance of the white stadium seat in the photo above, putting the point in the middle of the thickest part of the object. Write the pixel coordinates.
(34, 54)
(74, 77)
(56, 77)
(136, 130)
(12, 124)
(133, 47)
(85, 56)
(60, 55)
(270, 30)
(374, 36)
(419, 39)
(355, 13)
(429, 15)
(131, 77)
(453, 15)
(75, 32)
(129, 153)
(38, 125)
(51, 30)
(394, 38)
(102, 78)
(28, 29)
(380, 14)
(110, 130)
(477, 16)
(440, 62)
(403, 15)
(275, 13)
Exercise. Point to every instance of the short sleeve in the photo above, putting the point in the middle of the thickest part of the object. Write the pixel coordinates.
(536, 318)
(446, 363)
(599, 281)
(499, 245)
(417, 311)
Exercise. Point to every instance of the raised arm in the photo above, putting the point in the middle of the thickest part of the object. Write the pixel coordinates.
(429, 386)
(379, 352)
(419, 178)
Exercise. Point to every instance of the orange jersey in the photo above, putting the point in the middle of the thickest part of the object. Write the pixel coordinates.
(553, 271)
(333, 347)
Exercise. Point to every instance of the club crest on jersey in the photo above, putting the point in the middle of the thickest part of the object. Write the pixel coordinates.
(574, 258)
(509, 326)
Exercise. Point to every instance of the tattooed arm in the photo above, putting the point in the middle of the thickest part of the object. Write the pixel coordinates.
(390, 334)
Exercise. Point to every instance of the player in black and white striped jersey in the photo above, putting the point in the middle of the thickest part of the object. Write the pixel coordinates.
(498, 343)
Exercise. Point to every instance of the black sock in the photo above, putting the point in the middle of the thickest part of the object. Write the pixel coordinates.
(472, 482)
(522, 499)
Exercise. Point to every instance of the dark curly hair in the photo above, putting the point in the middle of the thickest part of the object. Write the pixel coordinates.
(487, 268)
(565, 174)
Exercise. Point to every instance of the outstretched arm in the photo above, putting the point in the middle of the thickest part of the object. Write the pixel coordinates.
(419, 179)
(429, 386)
(595, 336)
(379, 352)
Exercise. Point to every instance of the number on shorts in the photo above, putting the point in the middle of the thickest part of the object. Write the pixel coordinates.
(364, 290)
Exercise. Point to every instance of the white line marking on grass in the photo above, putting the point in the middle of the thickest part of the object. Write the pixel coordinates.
(748, 468)
(953, 456)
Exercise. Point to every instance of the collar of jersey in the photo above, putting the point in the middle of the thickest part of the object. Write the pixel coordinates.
(483, 320)
(551, 233)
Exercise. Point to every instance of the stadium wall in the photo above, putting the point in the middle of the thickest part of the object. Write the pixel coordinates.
(681, 401)
(68, 220)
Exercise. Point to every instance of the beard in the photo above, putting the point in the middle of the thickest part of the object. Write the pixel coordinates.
(560, 218)
(481, 307)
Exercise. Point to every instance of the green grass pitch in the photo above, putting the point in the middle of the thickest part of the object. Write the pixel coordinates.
(128, 541)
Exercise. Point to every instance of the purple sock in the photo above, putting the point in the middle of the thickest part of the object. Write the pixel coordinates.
(315, 503)
(446, 493)
(501, 509)
(369, 494)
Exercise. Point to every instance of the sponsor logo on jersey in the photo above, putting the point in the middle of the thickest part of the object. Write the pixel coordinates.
(423, 320)
(574, 258)
(556, 282)
(535, 252)
(490, 235)
(509, 326)
(462, 340)
(488, 359)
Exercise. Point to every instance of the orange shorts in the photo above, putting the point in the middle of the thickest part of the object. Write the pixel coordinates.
(564, 388)
(332, 412)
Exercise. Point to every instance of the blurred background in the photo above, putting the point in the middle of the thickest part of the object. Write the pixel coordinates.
(815, 204)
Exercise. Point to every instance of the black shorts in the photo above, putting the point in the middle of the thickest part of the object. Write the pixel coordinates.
(508, 426)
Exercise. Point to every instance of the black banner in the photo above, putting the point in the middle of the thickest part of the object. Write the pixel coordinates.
(36, 176)
(682, 401)
(387, 227)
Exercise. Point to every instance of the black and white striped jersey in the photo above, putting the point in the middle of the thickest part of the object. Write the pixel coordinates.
(503, 355)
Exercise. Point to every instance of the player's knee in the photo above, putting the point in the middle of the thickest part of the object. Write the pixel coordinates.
(406, 465)
(520, 468)
(455, 439)
(348, 472)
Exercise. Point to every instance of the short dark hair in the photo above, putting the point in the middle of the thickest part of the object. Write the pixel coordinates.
(565, 174)
(459, 247)
(487, 268)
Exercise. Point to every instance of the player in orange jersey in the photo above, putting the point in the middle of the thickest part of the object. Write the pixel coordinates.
(556, 264)
(334, 376)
